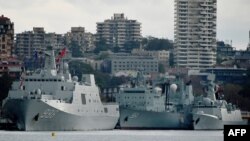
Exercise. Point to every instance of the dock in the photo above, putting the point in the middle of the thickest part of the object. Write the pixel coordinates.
(245, 114)
(6, 124)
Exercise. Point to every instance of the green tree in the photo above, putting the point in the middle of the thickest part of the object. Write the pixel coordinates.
(78, 68)
(116, 49)
(76, 50)
(130, 45)
(171, 59)
(116, 81)
(101, 46)
(5, 85)
(103, 56)
(231, 93)
(246, 86)
(105, 80)
(161, 68)
(102, 79)
(152, 43)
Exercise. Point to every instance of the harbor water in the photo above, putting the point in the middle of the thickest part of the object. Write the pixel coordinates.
(114, 135)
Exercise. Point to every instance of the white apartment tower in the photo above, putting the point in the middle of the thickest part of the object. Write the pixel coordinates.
(195, 33)
(118, 30)
(248, 47)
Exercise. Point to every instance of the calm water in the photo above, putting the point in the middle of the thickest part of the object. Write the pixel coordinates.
(114, 135)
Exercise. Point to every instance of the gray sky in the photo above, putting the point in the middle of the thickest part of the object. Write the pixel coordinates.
(156, 16)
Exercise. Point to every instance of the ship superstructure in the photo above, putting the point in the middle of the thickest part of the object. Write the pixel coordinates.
(144, 106)
(210, 113)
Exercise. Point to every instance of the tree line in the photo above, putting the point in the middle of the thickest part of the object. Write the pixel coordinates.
(148, 43)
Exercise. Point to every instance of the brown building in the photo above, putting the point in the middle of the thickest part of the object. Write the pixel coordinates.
(6, 37)
(12, 66)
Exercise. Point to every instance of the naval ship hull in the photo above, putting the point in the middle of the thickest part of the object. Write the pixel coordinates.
(136, 119)
(211, 122)
(37, 115)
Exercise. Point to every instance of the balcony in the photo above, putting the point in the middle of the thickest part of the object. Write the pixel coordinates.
(203, 13)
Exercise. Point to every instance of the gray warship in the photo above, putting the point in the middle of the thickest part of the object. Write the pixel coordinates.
(49, 99)
(167, 106)
(210, 113)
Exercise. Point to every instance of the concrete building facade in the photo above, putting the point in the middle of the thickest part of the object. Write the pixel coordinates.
(55, 40)
(37, 40)
(6, 37)
(248, 46)
(195, 33)
(118, 31)
(162, 55)
(134, 63)
(225, 52)
(242, 59)
(85, 40)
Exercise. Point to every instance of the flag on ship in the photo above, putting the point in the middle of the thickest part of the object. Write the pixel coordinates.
(62, 53)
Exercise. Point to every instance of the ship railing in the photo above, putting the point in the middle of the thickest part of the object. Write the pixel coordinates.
(109, 103)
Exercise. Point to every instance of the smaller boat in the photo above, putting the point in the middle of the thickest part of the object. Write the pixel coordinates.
(209, 113)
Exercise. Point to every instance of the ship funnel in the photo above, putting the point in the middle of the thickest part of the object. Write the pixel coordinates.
(188, 96)
(211, 86)
(50, 63)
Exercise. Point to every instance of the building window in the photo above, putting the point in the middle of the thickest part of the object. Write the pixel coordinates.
(62, 88)
(106, 110)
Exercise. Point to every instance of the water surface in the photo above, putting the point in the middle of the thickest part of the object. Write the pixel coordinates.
(113, 135)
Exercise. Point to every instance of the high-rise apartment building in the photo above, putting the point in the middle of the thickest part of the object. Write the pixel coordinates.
(37, 40)
(85, 40)
(6, 37)
(195, 33)
(118, 31)
(248, 46)
(29, 41)
(55, 40)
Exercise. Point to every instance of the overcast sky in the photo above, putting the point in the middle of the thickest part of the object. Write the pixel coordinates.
(156, 16)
